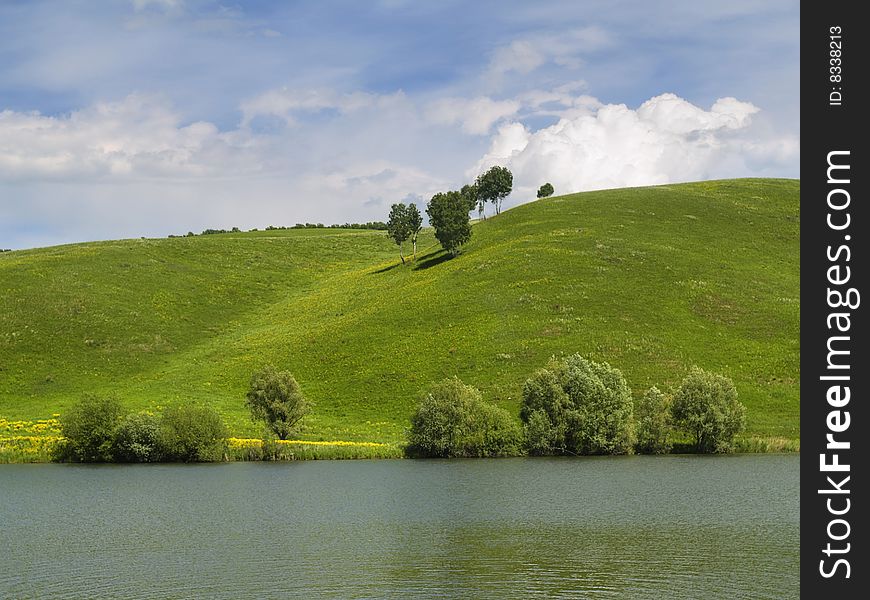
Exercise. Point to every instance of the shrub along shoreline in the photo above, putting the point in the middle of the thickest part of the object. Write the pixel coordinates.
(571, 407)
(577, 407)
(39, 449)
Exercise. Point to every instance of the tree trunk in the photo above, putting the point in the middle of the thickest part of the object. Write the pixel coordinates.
(402, 253)
(415, 248)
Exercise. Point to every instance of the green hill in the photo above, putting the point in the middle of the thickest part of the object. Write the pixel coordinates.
(652, 280)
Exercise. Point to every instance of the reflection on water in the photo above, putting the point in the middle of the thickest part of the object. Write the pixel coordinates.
(644, 527)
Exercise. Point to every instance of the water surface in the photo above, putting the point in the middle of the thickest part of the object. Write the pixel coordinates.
(637, 527)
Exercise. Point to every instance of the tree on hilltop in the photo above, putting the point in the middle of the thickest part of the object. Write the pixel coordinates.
(494, 186)
(546, 190)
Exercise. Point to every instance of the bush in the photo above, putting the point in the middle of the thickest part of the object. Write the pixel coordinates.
(652, 416)
(587, 406)
(544, 399)
(706, 408)
(546, 190)
(191, 433)
(275, 398)
(452, 420)
(136, 439)
(88, 429)
(541, 437)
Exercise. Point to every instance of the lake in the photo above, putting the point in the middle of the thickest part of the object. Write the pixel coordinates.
(637, 527)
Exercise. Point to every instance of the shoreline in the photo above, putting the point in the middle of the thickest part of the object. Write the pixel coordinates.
(37, 450)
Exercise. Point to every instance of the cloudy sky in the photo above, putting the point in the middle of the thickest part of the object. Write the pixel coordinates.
(149, 117)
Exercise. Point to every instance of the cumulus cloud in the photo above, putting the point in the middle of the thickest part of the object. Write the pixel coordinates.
(476, 115)
(666, 139)
(138, 166)
(669, 112)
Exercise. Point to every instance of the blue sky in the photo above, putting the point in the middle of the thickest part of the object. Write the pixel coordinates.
(150, 117)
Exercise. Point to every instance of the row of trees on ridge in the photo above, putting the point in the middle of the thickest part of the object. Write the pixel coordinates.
(449, 211)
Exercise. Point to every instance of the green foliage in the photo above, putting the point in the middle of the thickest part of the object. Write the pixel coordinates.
(648, 278)
(448, 215)
(545, 398)
(587, 406)
(282, 452)
(89, 429)
(652, 415)
(399, 226)
(472, 201)
(494, 186)
(405, 223)
(546, 190)
(706, 408)
(276, 398)
(192, 433)
(415, 224)
(541, 436)
(452, 420)
(136, 438)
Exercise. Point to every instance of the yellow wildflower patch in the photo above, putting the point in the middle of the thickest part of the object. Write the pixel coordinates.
(256, 443)
(40, 426)
(26, 448)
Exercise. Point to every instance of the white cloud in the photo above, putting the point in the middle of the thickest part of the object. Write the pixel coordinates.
(669, 112)
(139, 136)
(166, 5)
(380, 182)
(565, 49)
(667, 139)
(137, 167)
(285, 103)
(476, 115)
(521, 56)
(563, 95)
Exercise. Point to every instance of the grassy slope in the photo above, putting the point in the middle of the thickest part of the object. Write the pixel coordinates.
(652, 280)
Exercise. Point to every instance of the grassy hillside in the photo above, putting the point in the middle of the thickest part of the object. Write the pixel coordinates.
(652, 280)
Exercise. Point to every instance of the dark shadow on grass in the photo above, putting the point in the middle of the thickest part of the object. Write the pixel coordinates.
(385, 269)
(432, 259)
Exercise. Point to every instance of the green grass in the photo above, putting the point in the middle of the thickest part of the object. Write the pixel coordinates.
(653, 280)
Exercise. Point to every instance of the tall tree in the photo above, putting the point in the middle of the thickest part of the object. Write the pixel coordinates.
(415, 224)
(494, 186)
(398, 226)
(275, 398)
(448, 214)
(469, 192)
